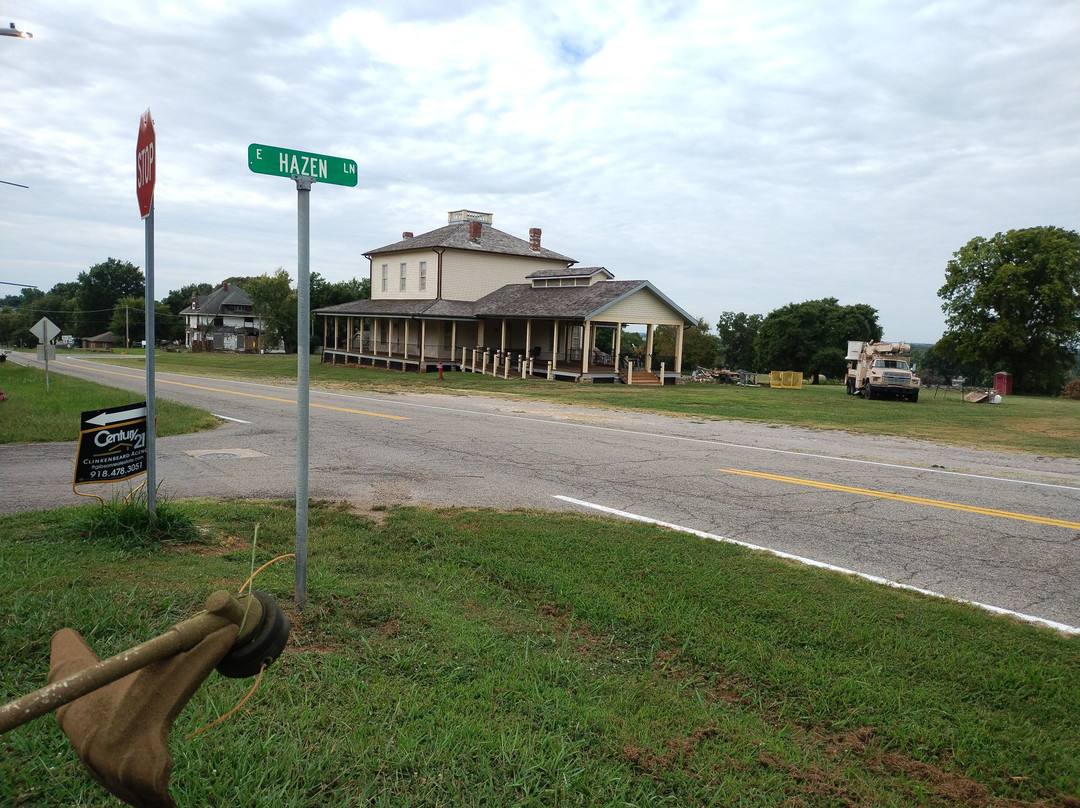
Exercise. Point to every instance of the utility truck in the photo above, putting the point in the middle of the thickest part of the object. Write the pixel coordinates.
(881, 369)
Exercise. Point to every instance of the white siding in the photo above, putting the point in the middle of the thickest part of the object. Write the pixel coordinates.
(642, 307)
(471, 275)
(412, 259)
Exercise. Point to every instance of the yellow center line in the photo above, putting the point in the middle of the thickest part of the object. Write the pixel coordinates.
(247, 395)
(1023, 517)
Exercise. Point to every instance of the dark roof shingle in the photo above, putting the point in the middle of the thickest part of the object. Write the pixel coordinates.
(456, 237)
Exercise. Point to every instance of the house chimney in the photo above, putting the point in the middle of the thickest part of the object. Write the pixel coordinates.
(225, 286)
(194, 301)
(474, 231)
(534, 239)
(406, 234)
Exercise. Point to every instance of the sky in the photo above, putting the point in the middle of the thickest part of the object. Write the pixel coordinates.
(740, 156)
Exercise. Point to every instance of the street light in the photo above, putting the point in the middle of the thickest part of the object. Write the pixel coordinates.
(13, 31)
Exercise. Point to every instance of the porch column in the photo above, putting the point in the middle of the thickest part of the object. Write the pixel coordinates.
(555, 345)
(616, 344)
(453, 342)
(349, 333)
(423, 338)
(586, 345)
(678, 348)
(502, 337)
(480, 335)
(325, 326)
(648, 347)
(337, 320)
(405, 338)
(528, 337)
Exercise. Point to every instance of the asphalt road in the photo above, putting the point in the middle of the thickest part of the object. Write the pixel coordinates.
(994, 528)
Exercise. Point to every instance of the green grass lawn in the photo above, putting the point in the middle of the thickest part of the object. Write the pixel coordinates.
(1046, 426)
(32, 414)
(468, 658)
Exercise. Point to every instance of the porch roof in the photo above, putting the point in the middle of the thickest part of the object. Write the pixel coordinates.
(438, 309)
(565, 302)
(516, 300)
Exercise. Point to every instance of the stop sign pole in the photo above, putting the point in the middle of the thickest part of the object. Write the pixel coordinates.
(145, 174)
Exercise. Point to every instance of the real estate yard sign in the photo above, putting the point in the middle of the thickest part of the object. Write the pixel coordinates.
(112, 445)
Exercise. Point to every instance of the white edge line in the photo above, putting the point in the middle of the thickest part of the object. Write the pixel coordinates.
(227, 418)
(1063, 628)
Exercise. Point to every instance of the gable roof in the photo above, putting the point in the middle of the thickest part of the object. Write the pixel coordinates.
(456, 237)
(565, 302)
(108, 336)
(220, 298)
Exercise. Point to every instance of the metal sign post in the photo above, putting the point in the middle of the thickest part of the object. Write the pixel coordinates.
(305, 169)
(145, 176)
(46, 331)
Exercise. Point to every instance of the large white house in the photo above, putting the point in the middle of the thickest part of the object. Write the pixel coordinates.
(223, 321)
(471, 297)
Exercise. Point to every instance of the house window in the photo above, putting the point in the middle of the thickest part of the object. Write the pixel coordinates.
(423, 276)
(404, 268)
(385, 274)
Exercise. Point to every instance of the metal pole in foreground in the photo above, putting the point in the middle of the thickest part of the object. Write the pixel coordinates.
(303, 358)
(151, 416)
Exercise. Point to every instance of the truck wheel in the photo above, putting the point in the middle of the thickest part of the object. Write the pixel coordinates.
(914, 397)
(868, 393)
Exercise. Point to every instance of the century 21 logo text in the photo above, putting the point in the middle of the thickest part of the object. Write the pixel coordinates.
(106, 438)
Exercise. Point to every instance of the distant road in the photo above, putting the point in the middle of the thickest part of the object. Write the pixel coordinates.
(984, 526)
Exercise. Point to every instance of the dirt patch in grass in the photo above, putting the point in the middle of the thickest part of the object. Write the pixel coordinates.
(678, 752)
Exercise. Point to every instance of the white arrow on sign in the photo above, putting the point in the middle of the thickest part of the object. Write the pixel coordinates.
(45, 330)
(106, 418)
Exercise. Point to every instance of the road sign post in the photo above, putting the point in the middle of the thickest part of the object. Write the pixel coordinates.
(306, 169)
(46, 331)
(145, 178)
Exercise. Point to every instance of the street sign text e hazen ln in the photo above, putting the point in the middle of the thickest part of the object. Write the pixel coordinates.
(292, 163)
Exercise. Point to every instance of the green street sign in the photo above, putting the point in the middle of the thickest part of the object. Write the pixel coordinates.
(280, 162)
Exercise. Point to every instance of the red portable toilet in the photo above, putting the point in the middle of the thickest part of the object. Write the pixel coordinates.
(1003, 383)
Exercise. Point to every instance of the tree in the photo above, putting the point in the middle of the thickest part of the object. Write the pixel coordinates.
(700, 348)
(1012, 302)
(737, 333)
(179, 299)
(812, 336)
(99, 289)
(274, 300)
(128, 320)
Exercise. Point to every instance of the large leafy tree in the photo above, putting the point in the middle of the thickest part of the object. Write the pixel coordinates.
(274, 300)
(1012, 302)
(737, 332)
(99, 289)
(812, 336)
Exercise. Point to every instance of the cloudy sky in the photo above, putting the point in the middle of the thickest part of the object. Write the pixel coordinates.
(739, 155)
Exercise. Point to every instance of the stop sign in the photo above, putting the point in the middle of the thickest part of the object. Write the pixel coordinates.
(144, 164)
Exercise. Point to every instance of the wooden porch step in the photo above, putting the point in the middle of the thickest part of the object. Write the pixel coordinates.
(642, 377)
